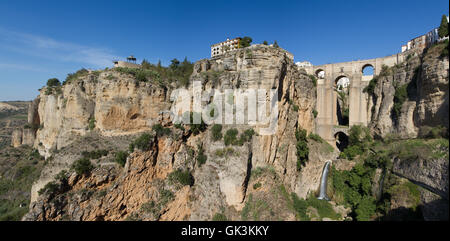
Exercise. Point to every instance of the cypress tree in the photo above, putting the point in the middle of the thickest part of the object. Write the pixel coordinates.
(443, 29)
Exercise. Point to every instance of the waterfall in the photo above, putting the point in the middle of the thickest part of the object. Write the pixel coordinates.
(323, 182)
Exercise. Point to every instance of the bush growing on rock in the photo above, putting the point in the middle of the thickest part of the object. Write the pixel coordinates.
(91, 124)
(230, 136)
(49, 188)
(160, 130)
(142, 142)
(82, 166)
(302, 148)
(182, 177)
(142, 75)
(53, 82)
(358, 141)
(216, 132)
(400, 97)
(94, 154)
(76, 75)
(121, 157)
(245, 42)
(219, 217)
(201, 157)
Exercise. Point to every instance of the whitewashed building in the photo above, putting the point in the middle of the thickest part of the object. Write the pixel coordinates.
(223, 47)
(425, 40)
(303, 64)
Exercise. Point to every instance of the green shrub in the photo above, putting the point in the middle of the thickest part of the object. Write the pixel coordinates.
(315, 113)
(370, 88)
(179, 126)
(53, 82)
(295, 107)
(82, 166)
(76, 75)
(62, 176)
(142, 142)
(315, 137)
(433, 132)
(245, 42)
(275, 44)
(256, 185)
(365, 209)
(182, 177)
(302, 148)
(444, 52)
(323, 208)
(140, 74)
(400, 97)
(201, 157)
(247, 136)
(121, 157)
(160, 130)
(195, 128)
(230, 137)
(94, 154)
(219, 217)
(91, 124)
(49, 188)
(300, 207)
(225, 152)
(216, 132)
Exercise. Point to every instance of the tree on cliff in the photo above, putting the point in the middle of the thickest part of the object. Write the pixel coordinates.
(443, 29)
(175, 63)
(53, 82)
(245, 42)
(275, 44)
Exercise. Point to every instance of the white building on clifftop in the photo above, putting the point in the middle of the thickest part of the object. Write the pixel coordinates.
(223, 47)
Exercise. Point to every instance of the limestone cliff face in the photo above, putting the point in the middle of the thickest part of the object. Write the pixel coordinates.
(109, 102)
(143, 189)
(263, 67)
(426, 77)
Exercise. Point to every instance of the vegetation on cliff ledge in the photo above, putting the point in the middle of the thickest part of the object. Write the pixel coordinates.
(19, 168)
(302, 148)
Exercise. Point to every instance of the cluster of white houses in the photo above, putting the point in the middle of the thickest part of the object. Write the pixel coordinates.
(424, 41)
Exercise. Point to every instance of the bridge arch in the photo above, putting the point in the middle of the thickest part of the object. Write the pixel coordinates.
(341, 80)
(342, 86)
(367, 70)
(341, 140)
(320, 73)
(358, 100)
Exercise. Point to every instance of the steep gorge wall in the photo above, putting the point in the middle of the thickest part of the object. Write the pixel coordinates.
(124, 106)
(110, 102)
(426, 79)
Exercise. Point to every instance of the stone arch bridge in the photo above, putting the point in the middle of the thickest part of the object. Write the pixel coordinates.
(327, 125)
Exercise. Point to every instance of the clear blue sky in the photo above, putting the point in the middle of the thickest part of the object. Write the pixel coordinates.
(44, 39)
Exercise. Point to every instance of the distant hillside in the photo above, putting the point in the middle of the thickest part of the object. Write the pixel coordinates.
(13, 114)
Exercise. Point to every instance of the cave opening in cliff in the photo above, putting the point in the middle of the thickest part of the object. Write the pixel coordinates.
(341, 141)
(342, 106)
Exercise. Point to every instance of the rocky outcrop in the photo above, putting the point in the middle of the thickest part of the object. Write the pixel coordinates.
(16, 138)
(122, 106)
(109, 102)
(425, 77)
